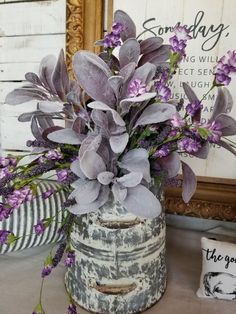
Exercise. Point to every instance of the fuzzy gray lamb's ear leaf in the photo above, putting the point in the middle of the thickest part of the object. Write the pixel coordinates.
(30, 158)
(99, 118)
(203, 151)
(189, 182)
(50, 106)
(35, 129)
(119, 192)
(157, 56)
(33, 78)
(141, 202)
(87, 192)
(46, 69)
(101, 106)
(21, 95)
(129, 52)
(136, 160)
(116, 84)
(91, 142)
(92, 164)
(223, 103)
(27, 116)
(105, 177)
(92, 74)
(75, 168)
(227, 124)
(156, 113)
(227, 146)
(150, 44)
(119, 142)
(145, 73)
(127, 103)
(123, 18)
(171, 164)
(60, 78)
(192, 97)
(131, 179)
(127, 71)
(79, 209)
(66, 136)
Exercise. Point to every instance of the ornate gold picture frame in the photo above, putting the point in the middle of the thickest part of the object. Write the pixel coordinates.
(215, 198)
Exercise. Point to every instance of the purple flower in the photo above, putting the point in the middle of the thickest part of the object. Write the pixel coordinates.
(4, 236)
(42, 160)
(136, 88)
(4, 162)
(53, 154)
(48, 193)
(177, 121)
(111, 40)
(215, 132)
(7, 161)
(70, 258)
(62, 175)
(164, 92)
(4, 173)
(178, 45)
(5, 212)
(225, 66)
(46, 270)
(189, 145)
(194, 108)
(117, 28)
(72, 309)
(19, 196)
(59, 253)
(179, 41)
(162, 152)
(182, 33)
(39, 227)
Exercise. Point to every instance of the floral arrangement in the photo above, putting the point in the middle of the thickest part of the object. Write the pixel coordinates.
(122, 132)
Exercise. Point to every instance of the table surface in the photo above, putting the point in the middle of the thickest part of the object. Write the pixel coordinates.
(20, 281)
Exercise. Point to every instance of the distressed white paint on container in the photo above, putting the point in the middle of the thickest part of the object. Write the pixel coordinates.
(120, 261)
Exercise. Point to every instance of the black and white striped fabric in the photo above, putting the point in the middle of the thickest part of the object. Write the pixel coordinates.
(22, 222)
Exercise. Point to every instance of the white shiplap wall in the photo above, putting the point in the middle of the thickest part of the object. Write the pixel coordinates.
(29, 30)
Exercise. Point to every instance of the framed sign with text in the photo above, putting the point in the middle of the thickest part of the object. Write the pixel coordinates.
(213, 28)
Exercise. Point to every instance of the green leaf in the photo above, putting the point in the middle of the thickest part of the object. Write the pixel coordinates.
(47, 222)
(39, 309)
(12, 238)
(48, 260)
(204, 133)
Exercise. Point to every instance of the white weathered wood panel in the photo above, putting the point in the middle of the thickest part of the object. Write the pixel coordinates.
(40, 17)
(195, 70)
(28, 32)
(30, 48)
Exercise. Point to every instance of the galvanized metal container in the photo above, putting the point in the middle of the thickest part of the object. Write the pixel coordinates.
(120, 261)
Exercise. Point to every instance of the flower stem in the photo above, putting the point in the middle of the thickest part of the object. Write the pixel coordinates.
(212, 87)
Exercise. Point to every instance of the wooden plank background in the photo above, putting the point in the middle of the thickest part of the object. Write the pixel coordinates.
(220, 163)
(29, 30)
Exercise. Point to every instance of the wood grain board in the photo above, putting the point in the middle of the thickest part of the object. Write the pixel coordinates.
(36, 29)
